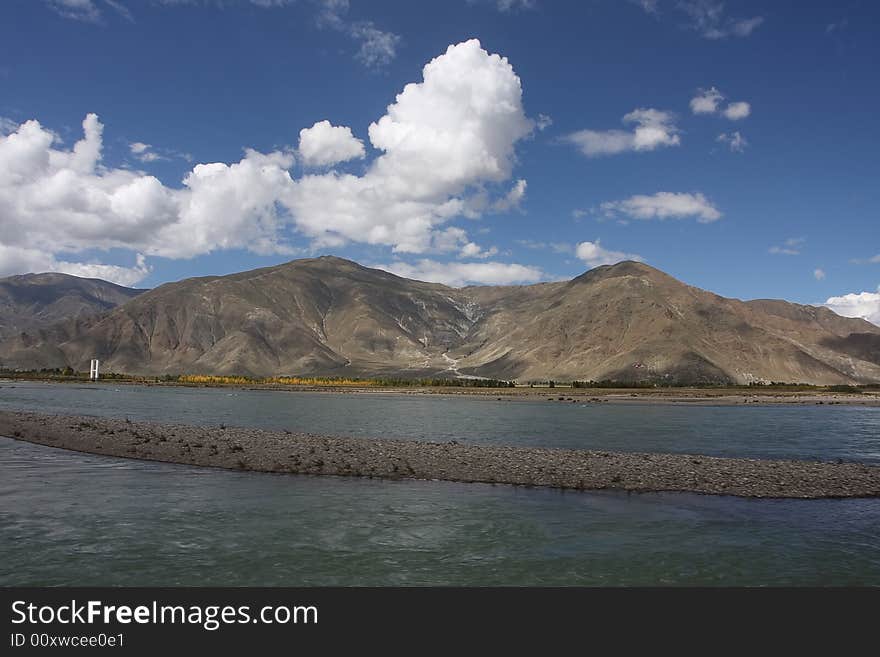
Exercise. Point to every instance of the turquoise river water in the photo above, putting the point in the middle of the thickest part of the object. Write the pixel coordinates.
(77, 519)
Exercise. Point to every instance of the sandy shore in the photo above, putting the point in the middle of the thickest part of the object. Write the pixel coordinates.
(297, 453)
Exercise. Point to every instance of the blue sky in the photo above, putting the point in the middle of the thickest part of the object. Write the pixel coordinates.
(732, 144)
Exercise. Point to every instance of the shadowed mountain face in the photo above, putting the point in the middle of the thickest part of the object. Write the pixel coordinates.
(35, 301)
(330, 316)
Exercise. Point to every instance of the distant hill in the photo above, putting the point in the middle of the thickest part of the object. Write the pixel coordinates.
(329, 316)
(35, 301)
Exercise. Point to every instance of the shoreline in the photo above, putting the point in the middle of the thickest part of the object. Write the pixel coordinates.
(257, 450)
(684, 395)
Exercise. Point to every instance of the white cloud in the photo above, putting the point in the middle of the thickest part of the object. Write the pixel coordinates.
(708, 18)
(650, 6)
(792, 246)
(745, 26)
(735, 141)
(89, 11)
(148, 153)
(474, 250)
(81, 10)
(7, 125)
(557, 247)
(513, 198)
(837, 26)
(377, 47)
(737, 111)
(452, 133)
(446, 143)
(144, 152)
(819, 274)
(594, 254)
(14, 260)
(863, 304)
(664, 205)
(65, 201)
(325, 145)
(513, 5)
(706, 101)
(652, 129)
(458, 274)
(543, 122)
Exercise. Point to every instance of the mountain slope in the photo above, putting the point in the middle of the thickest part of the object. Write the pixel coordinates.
(34, 301)
(331, 316)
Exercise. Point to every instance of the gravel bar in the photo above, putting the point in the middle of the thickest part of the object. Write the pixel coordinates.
(301, 453)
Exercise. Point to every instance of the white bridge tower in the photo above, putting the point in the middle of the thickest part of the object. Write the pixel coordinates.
(93, 369)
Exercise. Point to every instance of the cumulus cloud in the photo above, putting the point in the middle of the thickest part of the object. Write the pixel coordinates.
(325, 145)
(663, 205)
(706, 101)
(819, 274)
(446, 143)
(64, 201)
(543, 122)
(792, 246)
(863, 304)
(459, 274)
(453, 132)
(474, 250)
(652, 129)
(737, 111)
(594, 254)
(734, 141)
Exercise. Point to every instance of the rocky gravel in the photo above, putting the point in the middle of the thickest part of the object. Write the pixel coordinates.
(302, 453)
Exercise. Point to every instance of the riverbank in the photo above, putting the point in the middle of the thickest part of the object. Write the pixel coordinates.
(706, 396)
(299, 453)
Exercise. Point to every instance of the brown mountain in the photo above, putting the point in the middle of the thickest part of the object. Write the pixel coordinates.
(35, 301)
(331, 316)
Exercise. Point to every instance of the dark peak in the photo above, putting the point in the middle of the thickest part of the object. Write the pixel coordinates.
(42, 278)
(59, 279)
(326, 262)
(620, 269)
(630, 268)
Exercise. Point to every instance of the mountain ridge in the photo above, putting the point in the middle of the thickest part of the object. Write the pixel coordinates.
(33, 301)
(330, 316)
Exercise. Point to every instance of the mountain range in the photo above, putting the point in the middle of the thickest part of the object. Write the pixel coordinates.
(626, 322)
(33, 301)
